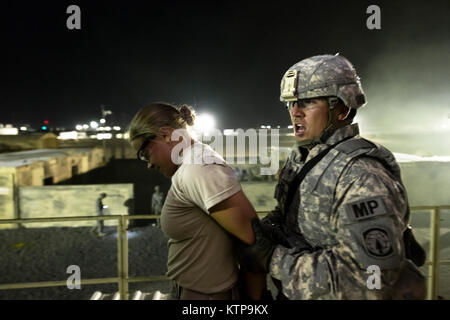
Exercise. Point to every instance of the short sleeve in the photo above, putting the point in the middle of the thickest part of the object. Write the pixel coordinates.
(208, 184)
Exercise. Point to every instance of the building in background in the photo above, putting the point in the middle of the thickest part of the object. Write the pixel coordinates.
(40, 167)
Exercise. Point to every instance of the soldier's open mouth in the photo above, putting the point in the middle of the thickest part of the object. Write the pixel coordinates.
(299, 129)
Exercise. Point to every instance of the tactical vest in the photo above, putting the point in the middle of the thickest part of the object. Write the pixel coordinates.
(316, 205)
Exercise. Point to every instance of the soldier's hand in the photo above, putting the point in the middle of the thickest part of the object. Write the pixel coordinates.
(256, 258)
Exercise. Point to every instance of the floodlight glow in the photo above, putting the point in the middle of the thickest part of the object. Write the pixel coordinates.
(85, 126)
(23, 128)
(107, 128)
(79, 127)
(102, 121)
(204, 123)
(117, 128)
(94, 125)
(290, 127)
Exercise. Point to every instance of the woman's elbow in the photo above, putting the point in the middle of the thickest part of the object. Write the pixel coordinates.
(248, 237)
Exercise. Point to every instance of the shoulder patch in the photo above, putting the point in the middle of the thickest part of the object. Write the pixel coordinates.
(367, 208)
(378, 242)
(354, 144)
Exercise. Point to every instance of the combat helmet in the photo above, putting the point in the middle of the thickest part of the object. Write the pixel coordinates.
(327, 76)
(323, 76)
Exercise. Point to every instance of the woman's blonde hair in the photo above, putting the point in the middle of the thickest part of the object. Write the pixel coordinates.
(149, 119)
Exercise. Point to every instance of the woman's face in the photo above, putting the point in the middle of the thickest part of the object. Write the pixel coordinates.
(158, 154)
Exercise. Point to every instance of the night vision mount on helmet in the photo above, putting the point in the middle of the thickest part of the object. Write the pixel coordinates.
(323, 76)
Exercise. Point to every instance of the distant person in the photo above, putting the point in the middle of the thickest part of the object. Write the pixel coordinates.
(205, 207)
(157, 203)
(100, 211)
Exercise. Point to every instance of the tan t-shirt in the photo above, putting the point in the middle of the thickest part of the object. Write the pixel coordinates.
(201, 255)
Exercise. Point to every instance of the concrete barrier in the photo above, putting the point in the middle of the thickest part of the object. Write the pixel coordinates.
(71, 201)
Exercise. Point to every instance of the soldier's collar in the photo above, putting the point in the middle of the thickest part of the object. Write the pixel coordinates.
(303, 148)
(340, 134)
(300, 152)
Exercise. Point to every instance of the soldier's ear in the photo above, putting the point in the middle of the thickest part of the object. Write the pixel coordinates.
(342, 111)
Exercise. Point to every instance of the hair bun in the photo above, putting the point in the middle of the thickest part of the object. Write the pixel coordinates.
(187, 113)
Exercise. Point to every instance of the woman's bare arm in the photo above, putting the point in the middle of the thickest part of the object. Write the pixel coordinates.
(235, 215)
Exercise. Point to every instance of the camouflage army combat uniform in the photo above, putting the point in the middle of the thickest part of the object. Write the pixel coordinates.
(338, 232)
(351, 209)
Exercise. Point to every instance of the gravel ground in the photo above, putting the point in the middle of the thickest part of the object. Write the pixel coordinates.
(36, 255)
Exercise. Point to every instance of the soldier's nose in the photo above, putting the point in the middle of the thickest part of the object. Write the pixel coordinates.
(296, 111)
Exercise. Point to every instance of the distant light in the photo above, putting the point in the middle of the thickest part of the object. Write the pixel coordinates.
(44, 128)
(46, 121)
(79, 127)
(82, 135)
(102, 120)
(119, 136)
(263, 127)
(268, 127)
(68, 135)
(23, 128)
(117, 128)
(107, 128)
(94, 125)
(204, 123)
(290, 127)
(101, 136)
(85, 126)
(9, 131)
(278, 127)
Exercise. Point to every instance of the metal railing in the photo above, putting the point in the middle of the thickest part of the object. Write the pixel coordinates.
(122, 252)
(434, 261)
(122, 255)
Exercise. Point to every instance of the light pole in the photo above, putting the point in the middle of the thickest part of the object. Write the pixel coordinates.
(103, 121)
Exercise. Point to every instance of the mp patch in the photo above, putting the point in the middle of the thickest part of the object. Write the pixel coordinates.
(378, 242)
(367, 208)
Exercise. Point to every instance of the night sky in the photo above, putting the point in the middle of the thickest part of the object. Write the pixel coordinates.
(226, 58)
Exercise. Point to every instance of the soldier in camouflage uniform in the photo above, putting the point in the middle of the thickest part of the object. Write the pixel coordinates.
(346, 211)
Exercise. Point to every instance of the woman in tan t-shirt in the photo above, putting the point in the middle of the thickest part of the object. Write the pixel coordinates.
(205, 206)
